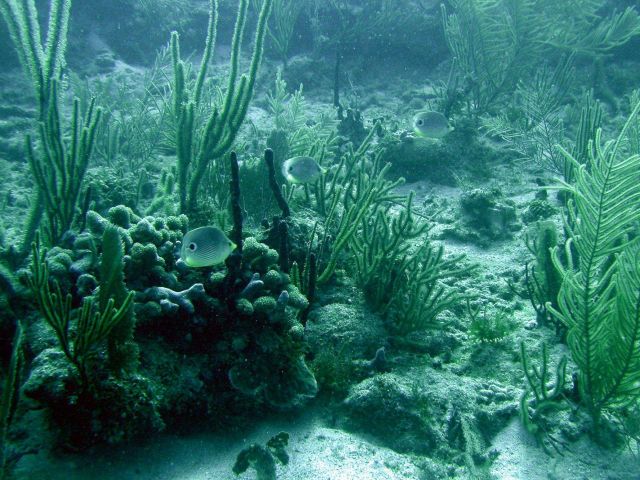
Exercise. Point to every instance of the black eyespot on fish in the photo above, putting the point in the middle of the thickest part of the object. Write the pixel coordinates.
(193, 247)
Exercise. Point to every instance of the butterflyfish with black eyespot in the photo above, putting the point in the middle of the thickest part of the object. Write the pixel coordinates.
(205, 246)
(430, 124)
(301, 170)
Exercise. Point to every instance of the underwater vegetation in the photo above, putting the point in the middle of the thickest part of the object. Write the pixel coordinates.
(602, 207)
(414, 223)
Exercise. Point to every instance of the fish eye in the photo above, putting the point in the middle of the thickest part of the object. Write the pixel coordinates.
(419, 122)
(193, 247)
(290, 169)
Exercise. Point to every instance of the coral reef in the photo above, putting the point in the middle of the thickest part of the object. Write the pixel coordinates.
(245, 326)
(337, 310)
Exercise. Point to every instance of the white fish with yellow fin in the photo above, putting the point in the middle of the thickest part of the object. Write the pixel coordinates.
(205, 246)
(302, 170)
(430, 124)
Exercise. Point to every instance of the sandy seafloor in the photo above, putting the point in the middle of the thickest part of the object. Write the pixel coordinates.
(319, 453)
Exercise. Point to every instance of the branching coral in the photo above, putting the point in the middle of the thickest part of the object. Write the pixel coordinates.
(539, 128)
(493, 42)
(384, 237)
(583, 30)
(417, 294)
(136, 118)
(497, 43)
(200, 141)
(535, 126)
(60, 167)
(42, 59)
(599, 299)
(402, 281)
(547, 396)
(346, 204)
(93, 325)
(285, 15)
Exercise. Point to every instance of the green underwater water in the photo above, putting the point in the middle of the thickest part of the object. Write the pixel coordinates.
(298, 239)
